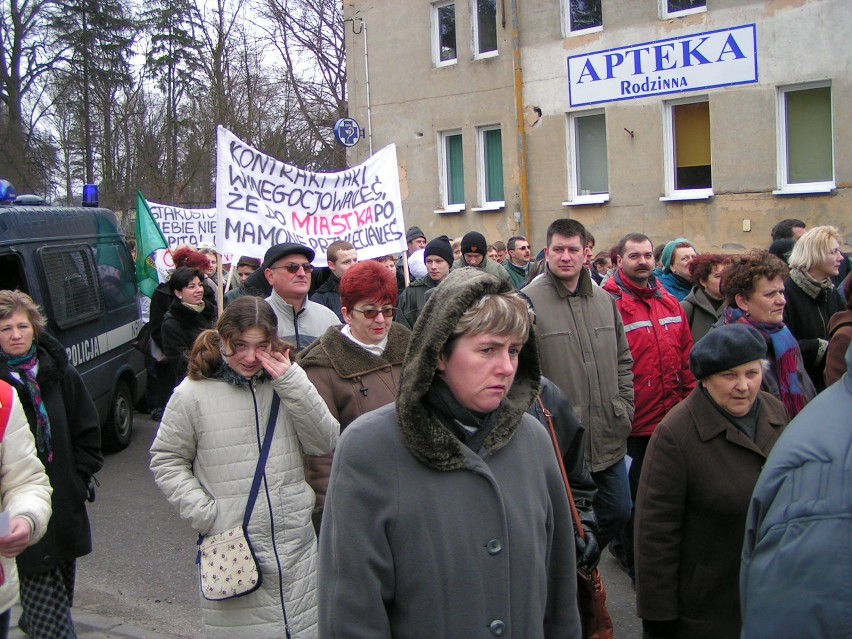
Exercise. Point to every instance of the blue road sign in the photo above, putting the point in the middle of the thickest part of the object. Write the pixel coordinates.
(347, 132)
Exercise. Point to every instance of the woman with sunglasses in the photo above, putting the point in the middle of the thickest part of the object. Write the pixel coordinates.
(356, 367)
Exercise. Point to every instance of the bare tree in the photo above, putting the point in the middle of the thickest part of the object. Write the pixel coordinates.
(309, 36)
(25, 57)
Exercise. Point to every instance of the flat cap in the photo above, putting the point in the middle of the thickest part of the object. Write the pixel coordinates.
(276, 252)
(724, 348)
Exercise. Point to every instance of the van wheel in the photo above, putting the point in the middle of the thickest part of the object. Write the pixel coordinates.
(119, 427)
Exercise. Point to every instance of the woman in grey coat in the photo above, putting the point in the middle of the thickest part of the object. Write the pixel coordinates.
(446, 514)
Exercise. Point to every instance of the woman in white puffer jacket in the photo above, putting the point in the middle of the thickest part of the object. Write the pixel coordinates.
(206, 451)
(24, 493)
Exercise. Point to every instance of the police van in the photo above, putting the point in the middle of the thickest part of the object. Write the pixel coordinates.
(74, 262)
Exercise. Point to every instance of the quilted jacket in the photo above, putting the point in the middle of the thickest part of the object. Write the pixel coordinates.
(204, 458)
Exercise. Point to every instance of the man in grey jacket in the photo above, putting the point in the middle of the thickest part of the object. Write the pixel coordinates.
(585, 352)
(288, 270)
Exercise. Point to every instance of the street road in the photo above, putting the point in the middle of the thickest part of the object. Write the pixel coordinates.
(142, 570)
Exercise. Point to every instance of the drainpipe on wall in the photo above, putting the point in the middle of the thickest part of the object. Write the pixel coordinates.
(519, 114)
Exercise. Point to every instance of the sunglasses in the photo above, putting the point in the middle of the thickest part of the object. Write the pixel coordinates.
(294, 268)
(374, 312)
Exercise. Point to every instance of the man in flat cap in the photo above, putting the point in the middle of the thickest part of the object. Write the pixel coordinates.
(288, 270)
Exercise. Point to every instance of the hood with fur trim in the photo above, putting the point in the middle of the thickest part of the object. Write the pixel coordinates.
(424, 434)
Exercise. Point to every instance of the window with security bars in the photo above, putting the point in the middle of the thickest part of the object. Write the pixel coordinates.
(73, 288)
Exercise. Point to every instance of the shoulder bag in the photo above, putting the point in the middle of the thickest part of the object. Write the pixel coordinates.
(591, 594)
(227, 567)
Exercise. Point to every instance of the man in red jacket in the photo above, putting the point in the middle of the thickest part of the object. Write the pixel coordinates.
(660, 342)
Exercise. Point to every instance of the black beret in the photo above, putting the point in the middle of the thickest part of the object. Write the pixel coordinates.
(724, 348)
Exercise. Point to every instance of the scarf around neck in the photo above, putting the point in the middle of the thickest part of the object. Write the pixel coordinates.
(471, 428)
(27, 367)
(813, 288)
(785, 361)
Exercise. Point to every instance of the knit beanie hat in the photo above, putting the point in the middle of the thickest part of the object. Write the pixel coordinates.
(474, 242)
(724, 348)
(413, 233)
(668, 252)
(440, 247)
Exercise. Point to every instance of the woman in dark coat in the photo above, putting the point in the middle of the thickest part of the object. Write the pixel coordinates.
(64, 422)
(702, 464)
(189, 314)
(811, 296)
(705, 303)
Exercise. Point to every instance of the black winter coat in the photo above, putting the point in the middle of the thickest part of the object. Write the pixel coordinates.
(181, 326)
(329, 296)
(76, 444)
(807, 318)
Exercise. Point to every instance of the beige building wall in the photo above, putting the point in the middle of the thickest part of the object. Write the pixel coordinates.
(412, 101)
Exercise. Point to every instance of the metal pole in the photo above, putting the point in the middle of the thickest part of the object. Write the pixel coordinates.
(367, 76)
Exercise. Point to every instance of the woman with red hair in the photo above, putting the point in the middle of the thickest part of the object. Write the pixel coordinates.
(356, 367)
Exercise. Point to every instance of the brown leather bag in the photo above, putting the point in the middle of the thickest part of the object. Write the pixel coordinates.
(591, 593)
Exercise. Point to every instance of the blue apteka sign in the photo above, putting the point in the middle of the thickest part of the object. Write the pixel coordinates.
(693, 62)
(347, 132)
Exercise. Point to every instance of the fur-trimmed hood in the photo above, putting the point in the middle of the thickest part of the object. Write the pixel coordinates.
(424, 435)
(335, 350)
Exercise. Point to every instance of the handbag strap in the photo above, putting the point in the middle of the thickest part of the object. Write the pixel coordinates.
(264, 455)
(555, 440)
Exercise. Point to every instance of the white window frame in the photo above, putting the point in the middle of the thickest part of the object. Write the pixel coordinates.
(443, 172)
(796, 188)
(575, 196)
(567, 32)
(486, 204)
(665, 14)
(671, 193)
(436, 34)
(474, 20)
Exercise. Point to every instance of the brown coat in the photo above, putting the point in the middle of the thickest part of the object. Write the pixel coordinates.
(697, 479)
(839, 336)
(352, 381)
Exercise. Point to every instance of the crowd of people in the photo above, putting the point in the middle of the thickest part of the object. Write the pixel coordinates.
(410, 482)
(671, 375)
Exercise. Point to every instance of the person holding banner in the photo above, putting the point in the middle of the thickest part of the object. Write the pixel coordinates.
(356, 367)
(288, 270)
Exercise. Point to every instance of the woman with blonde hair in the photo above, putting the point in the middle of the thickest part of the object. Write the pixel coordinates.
(811, 296)
(207, 450)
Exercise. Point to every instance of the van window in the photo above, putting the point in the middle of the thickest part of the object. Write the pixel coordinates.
(73, 289)
(116, 274)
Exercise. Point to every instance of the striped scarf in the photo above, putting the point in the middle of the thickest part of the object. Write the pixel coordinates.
(27, 366)
(786, 361)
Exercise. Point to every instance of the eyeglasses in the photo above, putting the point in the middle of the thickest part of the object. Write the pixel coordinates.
(294, 268)
(372, 313)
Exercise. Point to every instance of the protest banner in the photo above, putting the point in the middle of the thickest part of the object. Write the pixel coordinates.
(185, 226)
(262, 201)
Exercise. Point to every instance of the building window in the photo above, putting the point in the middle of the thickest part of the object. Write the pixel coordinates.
(678, 8)
(581, 16)
(589, 174)
(806, 148)
(491, 165)
(688, 165)
(452, 167)
(444, 33)
(485, 27)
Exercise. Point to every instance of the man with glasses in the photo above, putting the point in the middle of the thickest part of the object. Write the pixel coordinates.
(288, 271)
(518, 264)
